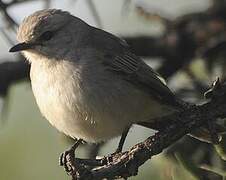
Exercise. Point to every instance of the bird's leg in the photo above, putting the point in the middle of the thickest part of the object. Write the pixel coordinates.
(67, 158)
(108, 159)
(122, 140)
(94, 149)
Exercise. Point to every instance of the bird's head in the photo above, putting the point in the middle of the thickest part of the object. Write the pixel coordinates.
(46, 33)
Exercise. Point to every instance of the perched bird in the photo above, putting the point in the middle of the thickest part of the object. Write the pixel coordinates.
(86, 82)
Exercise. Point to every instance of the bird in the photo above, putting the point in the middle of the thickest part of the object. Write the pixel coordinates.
(87, 82)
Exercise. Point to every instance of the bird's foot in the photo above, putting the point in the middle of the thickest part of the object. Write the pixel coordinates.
(106, 160)
(118, 152)
(67, 159)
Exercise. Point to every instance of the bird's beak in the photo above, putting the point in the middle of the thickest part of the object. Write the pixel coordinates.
(21, 47)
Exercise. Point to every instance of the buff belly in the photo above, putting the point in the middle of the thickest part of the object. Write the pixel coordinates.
(87, 108)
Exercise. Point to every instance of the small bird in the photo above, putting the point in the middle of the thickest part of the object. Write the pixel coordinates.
(86, 81)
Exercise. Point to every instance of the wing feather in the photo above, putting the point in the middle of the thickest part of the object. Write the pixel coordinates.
(138, 73)
(118, 57)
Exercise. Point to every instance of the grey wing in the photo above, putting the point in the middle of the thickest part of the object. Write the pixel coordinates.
(117, 57)
(138, 73)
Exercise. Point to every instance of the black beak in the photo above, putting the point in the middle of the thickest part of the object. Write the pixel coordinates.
(21, 47)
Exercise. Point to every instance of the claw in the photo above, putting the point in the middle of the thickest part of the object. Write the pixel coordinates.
(67, 158)
(61, 159)
(66, 161)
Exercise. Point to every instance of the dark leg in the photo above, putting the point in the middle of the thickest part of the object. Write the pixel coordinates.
(67, 158)
(94, 149)
(96, 162)
(122, 140)
(108, 159)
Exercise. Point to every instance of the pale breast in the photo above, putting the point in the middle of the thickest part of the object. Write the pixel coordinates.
(87, 105)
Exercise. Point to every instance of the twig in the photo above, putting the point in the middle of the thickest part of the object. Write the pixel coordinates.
(95, 13)
(11, 72)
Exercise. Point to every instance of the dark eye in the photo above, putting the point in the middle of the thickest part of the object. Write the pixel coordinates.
(46, 36)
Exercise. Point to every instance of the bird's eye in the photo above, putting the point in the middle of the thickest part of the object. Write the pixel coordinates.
(46, 36)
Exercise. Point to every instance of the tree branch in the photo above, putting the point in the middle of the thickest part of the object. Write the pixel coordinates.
(11, 72)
